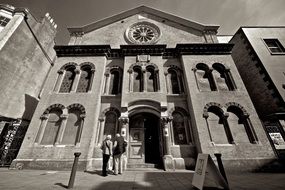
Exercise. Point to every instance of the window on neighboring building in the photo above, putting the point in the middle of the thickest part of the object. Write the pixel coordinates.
(4, 21)
(274, 45)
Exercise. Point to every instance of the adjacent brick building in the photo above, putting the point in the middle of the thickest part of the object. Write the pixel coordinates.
(260, 55)
(165, 83)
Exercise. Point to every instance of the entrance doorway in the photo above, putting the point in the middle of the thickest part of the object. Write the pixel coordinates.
(145, 141)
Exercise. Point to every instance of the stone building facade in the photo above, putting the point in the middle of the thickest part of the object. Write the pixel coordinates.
(163, 82)
(26, 57)
(259, 52)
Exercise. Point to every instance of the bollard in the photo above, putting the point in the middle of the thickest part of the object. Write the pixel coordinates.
(73, 171)
(220, 164)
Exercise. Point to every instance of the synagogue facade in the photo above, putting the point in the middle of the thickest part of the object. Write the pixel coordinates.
(164, 83)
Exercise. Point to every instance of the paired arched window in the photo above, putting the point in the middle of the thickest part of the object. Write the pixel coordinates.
(68, 79)
(61, 125)
(217, 78)
(176, 85)
(231, 127)
(180, 127)
(73, 78)
(144, 78)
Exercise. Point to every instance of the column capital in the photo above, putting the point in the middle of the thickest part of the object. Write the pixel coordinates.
(44, 117)
(82, 116)
(77, 71)
(166, 119)
(60, 71)
(93, 70)
(63, 116)
(101, 119)
(124, 120)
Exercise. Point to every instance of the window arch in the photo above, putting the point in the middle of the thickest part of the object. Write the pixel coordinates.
(52, 126)
(152, 81)
(180, 129)
(218, 126)
(68, 79)
(204, 78)
(72, 129)
(223, 77)
(176, 81)
(240, 125)
(111, 123)
(84, 84)
(115, 81)
(138, 80)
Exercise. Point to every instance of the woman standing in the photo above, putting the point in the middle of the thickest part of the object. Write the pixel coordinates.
(107, 147)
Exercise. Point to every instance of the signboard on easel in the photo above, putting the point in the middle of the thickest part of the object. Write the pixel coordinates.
(206, 168)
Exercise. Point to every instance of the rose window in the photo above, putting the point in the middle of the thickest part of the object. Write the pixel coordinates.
(143, 33)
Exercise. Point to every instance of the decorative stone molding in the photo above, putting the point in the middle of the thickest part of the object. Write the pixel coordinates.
(178, 109)
(210, 104)
(229, 104)
(124, 120)
(113, 109)
(87, 63)
(68, 64)
(79, 106)
(60, 106)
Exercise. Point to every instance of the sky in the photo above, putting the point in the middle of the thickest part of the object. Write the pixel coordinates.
(228, 14)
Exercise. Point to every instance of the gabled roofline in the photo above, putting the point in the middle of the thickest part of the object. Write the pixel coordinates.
(140, 9)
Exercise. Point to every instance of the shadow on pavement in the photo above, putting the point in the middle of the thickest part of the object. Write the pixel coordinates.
(96, 172)
(61, 185)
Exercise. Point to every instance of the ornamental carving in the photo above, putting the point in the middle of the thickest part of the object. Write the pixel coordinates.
(143, 33)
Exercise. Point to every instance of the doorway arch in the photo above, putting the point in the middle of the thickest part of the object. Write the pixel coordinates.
(145, 138)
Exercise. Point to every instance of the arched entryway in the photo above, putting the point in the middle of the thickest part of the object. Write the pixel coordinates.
(145, 140)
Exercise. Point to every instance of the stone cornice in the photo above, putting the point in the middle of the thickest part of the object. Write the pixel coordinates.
(134, 50)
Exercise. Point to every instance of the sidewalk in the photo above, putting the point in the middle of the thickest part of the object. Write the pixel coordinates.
(136, 180)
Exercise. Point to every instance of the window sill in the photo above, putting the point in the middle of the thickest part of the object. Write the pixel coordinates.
(277, 53)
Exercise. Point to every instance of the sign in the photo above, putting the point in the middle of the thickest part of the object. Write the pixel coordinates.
(206, 168)
(276, 138)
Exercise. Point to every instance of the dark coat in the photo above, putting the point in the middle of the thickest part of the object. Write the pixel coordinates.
(119, 146)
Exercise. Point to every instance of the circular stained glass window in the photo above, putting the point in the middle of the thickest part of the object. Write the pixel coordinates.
(143, 33)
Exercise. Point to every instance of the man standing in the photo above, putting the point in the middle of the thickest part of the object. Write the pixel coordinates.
(107, 147)
(118, 152)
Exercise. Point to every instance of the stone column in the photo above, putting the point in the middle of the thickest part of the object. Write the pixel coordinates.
(227, 128)
(131, 80)
(101, 130)
(91, 80)
(76, 80)
(61, 129)
(168, 161)
(125, 122)
(167, 82)
(144, 79)
(59, 80)
(251, 132)
(41, 129)
(124, 133)
(107, 83)
(78, 137)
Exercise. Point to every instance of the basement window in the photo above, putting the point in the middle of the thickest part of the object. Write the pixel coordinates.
(274, 46)
(4, 21)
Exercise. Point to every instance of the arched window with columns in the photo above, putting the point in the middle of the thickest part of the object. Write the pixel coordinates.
(219, 130)
(115, 81)
(68, 79)
(180, 127)
(176, 85)
(86, 78)
(111, 123)
(152, 80)
(51, 122)
(74, 124)
(204, 78)
(223, 77)
(138, 79)
(240, 125)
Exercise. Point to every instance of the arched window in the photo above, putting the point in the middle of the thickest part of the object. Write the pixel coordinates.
(138, 80)
(220, 132)
(240, 125)
(115, 81)
(111, 124)
(151, 79)
(204, 78)
(68, 79)
(85, 79)
(72, 128)
(179, 128)
(176, 81)
(223, 77)
(52, 127)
